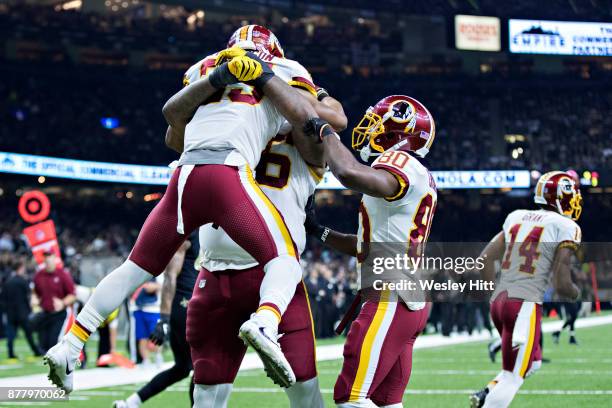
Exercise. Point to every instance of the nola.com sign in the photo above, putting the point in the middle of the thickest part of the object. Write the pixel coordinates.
(460, 179)
(16, 163)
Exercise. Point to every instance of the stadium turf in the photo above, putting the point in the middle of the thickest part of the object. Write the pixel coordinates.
(577, 376)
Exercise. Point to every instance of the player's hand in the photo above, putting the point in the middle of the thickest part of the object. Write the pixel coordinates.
(228, 54)
(245, 68)
(162, 330)
(319, 129)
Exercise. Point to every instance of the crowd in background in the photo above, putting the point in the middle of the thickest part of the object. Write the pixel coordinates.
(563, 124)
(561, 116)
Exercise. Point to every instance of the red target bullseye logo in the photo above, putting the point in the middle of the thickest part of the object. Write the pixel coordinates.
(34, 206)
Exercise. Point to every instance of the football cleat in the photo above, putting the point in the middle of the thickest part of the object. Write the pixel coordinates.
(120, 404)
(572, 340)
(61, 366)
(263, 340)
(477, 399)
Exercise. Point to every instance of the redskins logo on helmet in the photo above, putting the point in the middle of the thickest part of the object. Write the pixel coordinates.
(397, 122)
(255, 37)
(560, 191)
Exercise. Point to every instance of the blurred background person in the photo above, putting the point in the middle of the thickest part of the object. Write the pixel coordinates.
(146, 315)
(54, 287)
(16, 298)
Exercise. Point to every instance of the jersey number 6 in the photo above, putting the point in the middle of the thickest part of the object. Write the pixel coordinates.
(273, 169)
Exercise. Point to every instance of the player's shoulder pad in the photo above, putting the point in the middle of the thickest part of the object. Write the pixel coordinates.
(404, 167)
(569, 230)
(513, 217)
(294, 73)
(199, 70)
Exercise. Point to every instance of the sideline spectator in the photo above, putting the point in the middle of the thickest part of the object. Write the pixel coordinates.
(16, 298)
(55, 290)
(146, 315)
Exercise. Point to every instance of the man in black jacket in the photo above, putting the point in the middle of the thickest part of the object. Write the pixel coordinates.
(16, 297)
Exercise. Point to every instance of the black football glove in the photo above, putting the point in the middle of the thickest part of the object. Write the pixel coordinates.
(162, 330)
(319, 129)
(311, 224)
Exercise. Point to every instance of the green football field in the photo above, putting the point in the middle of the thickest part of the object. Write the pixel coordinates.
(577, 376)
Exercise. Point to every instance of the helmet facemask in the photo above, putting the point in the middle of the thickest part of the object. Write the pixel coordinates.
(370, 126)
(573, 206)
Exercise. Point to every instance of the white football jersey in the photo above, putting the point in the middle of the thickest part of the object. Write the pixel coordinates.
(532, 238)
(240, 117)
(406, 217)
(288, 181)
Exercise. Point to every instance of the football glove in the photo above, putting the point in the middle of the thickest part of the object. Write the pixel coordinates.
(228, 54)
(243, 68)
(161, 331)
(319, 128)
(311, 224)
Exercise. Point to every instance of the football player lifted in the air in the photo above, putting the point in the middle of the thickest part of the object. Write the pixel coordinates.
(399, 200)
(534, 247)
(233, 104)
(227, 288)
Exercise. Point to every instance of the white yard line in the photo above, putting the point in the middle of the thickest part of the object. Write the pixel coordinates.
(109, 377)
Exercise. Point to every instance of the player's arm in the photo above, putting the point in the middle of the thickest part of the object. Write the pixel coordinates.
(180, 108)
(171, 272)
(562, 275)
(494, 251)
(162, 328)
(175, 138)
(345, 243)
(351, 173)
(298, 111)
(328, 109)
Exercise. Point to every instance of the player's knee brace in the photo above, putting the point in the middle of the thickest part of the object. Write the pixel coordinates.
(305, 394)
(211, 396)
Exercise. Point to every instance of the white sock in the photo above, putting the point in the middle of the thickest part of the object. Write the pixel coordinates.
(133, 401)
(494, 381)
(282, 275)
(305, 394)
(107, 297)
(361, 403)
(211, 396)
(502, 394)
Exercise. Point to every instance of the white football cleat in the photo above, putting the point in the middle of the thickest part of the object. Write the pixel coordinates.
(256, 334)
(61, 366)
(120, 404)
